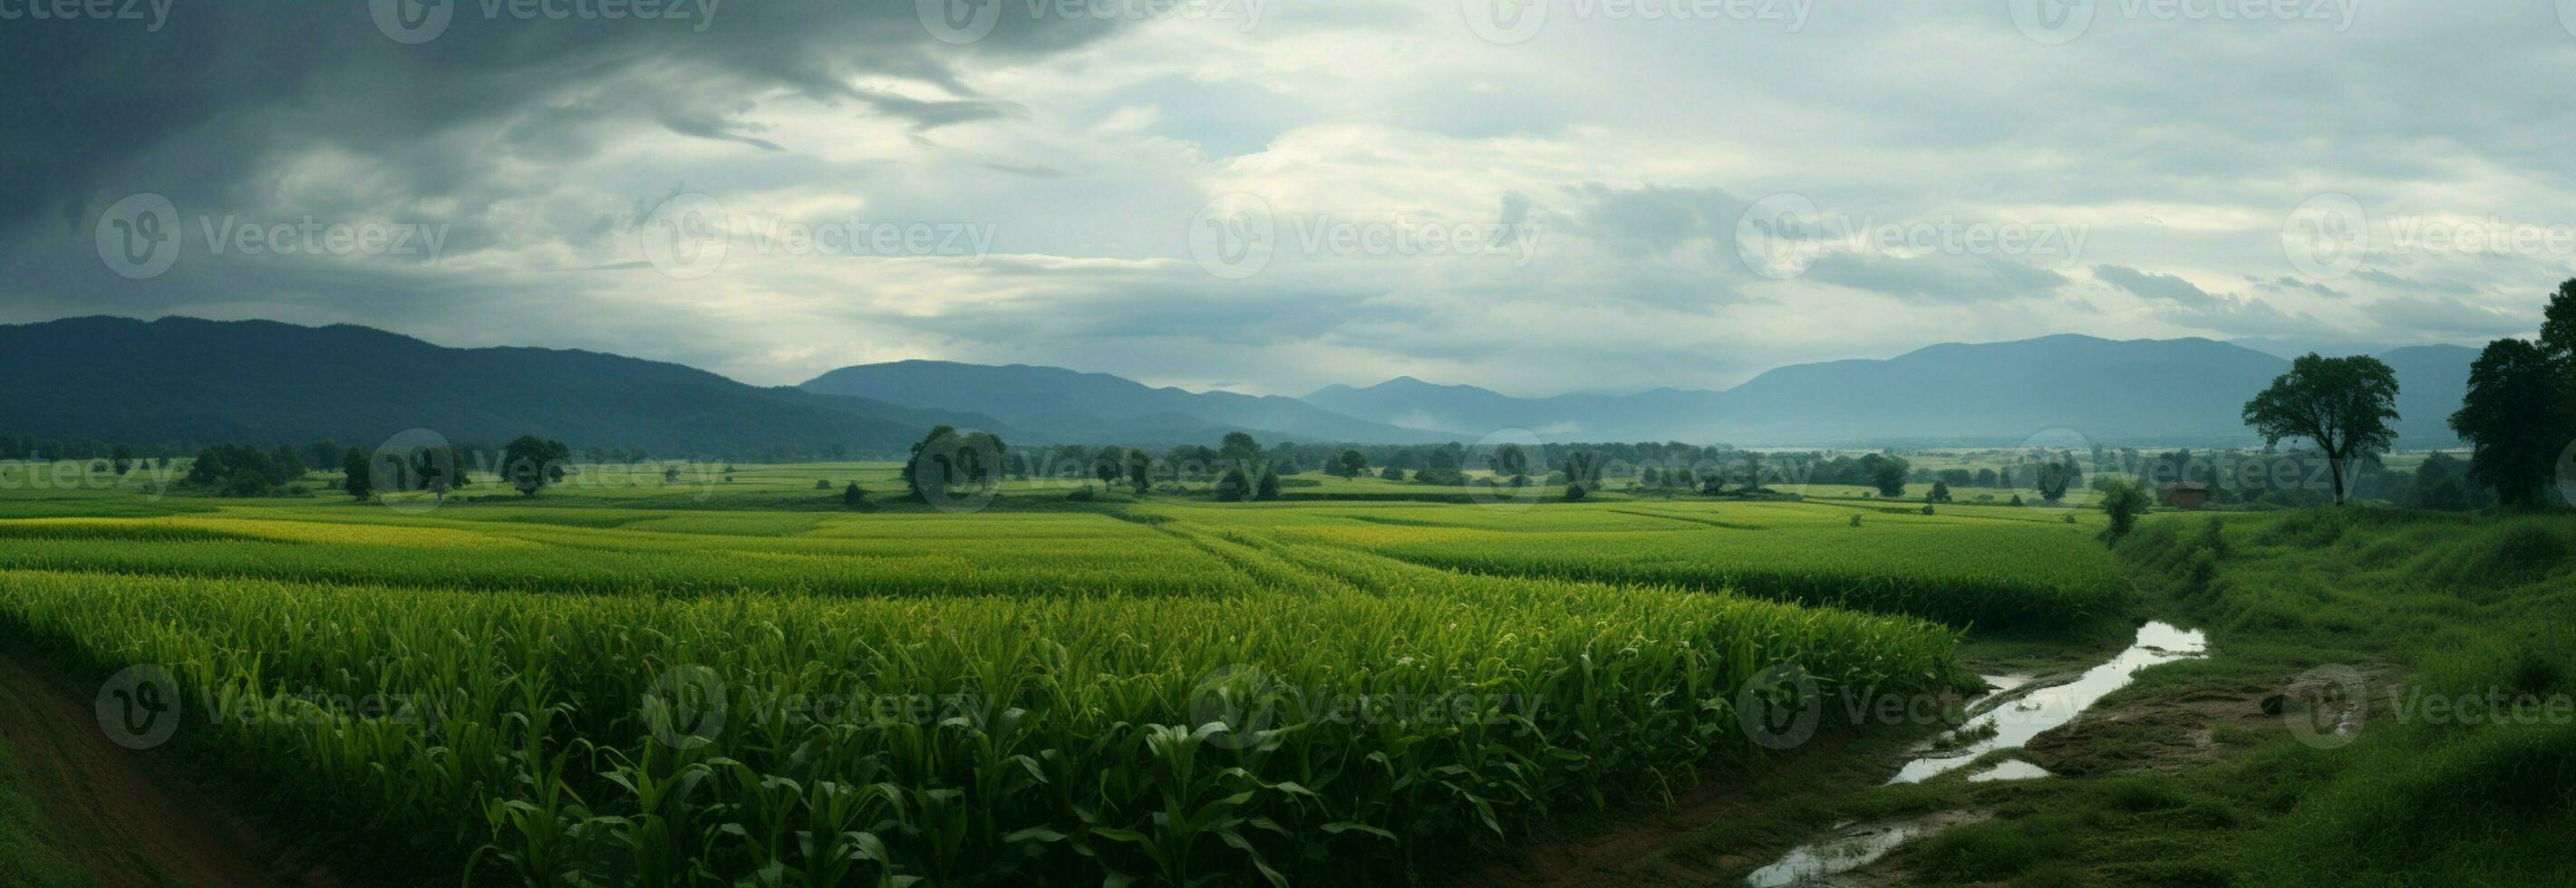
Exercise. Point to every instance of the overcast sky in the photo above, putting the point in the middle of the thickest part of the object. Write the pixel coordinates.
(1268, 195)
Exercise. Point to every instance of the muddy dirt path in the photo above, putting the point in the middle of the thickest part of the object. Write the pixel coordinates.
(125, 825)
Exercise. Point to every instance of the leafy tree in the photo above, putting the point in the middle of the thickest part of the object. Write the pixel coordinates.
(2123, 501)
(1268, 489)
(1582, 468)
(2514, 416)
(1109, 466)
(322, 453)
(1233, 486)
(240, 470)
(1351, 465)
(289, 462)
(1391, 473)
(124, 459)
(2052, 478)
(1940, 492)
(530, 463)
(1139, 471)
(1510, 460)
(1886, 473)
(2343, 405)
(852, 497)
(356, 476)
(1574, 492)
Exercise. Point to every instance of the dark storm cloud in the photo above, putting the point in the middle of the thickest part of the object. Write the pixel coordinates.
(222, 86)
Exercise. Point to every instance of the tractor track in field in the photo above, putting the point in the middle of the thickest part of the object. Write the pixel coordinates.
(120, 822)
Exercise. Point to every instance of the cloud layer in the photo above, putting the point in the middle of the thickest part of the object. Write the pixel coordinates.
(1270, 196)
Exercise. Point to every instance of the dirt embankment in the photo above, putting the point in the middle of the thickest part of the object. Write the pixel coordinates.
(119, 820)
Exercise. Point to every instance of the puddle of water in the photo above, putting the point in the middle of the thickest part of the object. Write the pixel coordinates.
(2015, 722)
(1851, 847)
(1998, 685)
(2014, 769)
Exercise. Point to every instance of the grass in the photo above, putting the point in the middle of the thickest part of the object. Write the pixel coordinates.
(1026, 694)
(2442, 605)
(29, 846)
(1167, 689)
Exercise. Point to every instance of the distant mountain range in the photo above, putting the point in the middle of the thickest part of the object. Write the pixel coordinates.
(1056, 404)
(2177, 391)
(195, 381)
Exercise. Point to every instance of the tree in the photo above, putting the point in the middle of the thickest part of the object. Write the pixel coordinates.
(1940, 492)
(1240, 450)
(852, 497)
(1391, 473)
(2052, 478)
(946, 458)
(289, 463)
(2343, 405)
(1887, 473)
(2558, 325)
(530, 463)
(2513, 416)
(1139, 471)
(1268, 489)
(322, 453)
(124, 459)
(1109, 466)
(1233, 486)
(1582, 473)
(1352, 464)
(356, 477)
(2123, 501)
(1510, 460)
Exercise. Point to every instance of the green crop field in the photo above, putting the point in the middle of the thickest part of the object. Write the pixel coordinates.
(646, 682)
